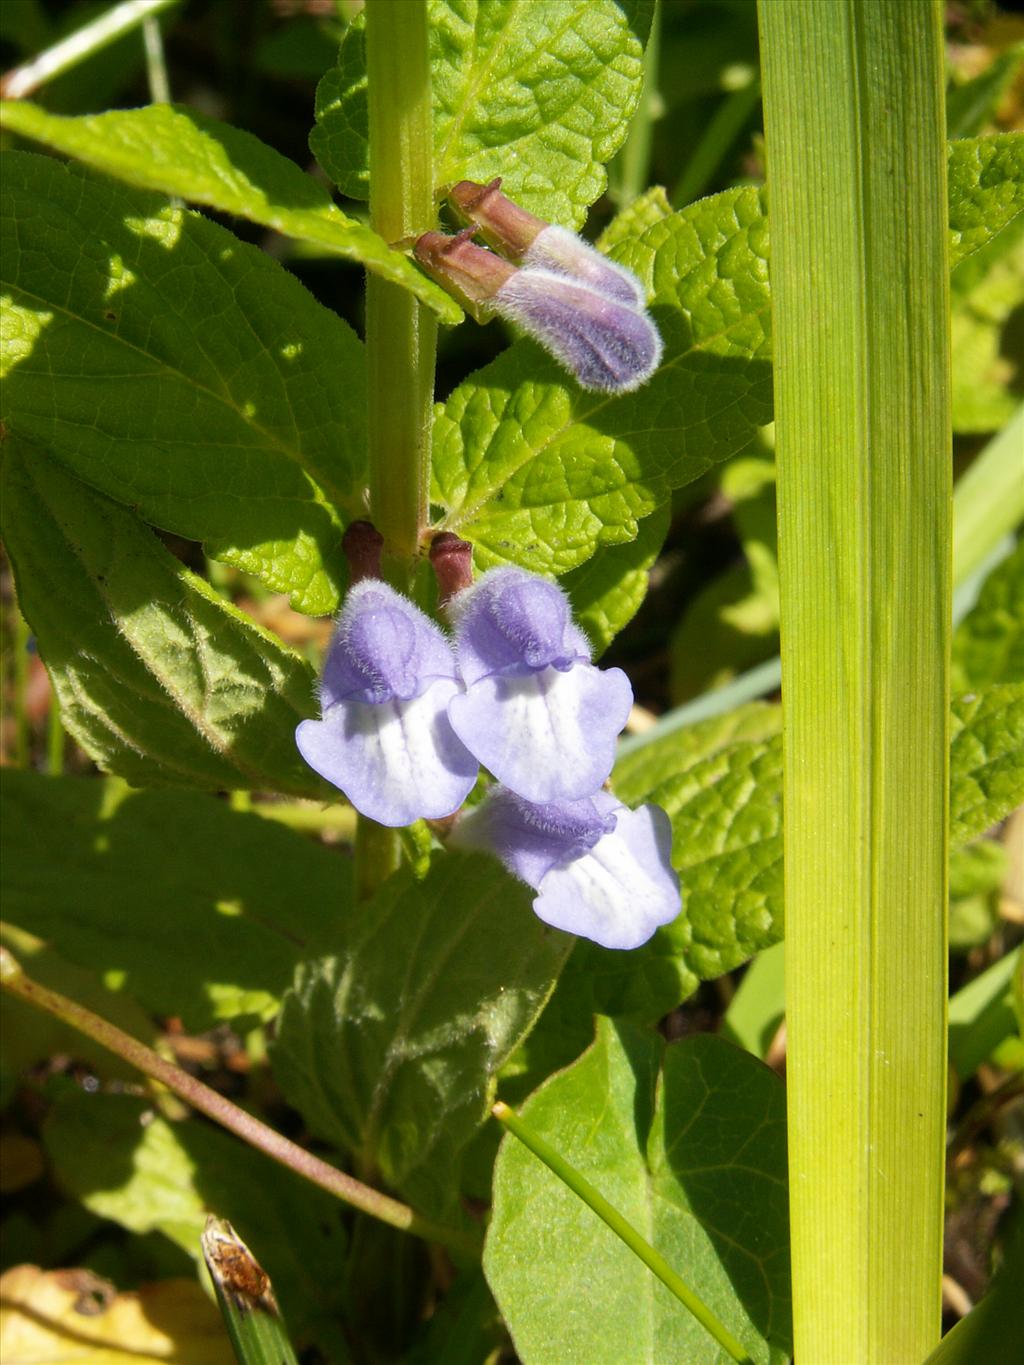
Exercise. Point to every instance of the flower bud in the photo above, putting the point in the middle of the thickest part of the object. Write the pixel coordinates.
(529, 241)
(472, 274)
(452, 562)
(363, 546)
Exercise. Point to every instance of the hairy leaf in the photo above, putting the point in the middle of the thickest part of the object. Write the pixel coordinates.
(193, 908)
(128, 1164)
(534, 471)
(540, 95)
(688, 1142)
(389, 1048)
(159, 679)
(180, 151)
(988, 645)
(183, 373)
(986, 190)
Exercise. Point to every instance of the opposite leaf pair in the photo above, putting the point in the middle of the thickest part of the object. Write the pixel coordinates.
(407, 721)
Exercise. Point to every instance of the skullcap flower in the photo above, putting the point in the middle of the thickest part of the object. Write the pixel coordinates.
(601, 871)
(609, 345)
(384, 738)
(520, 236)
(535, 711)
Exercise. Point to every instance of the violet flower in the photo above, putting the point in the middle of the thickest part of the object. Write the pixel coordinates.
(520, 236)
(608, 345)
(385, 739)
(602, 871)
(535, 711)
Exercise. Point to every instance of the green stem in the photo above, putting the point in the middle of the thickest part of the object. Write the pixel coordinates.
(54, 738)
(989, 498)
(723, 130)
(90, 38)
(21, 635)
(156, 65)
(401, 335)
(651, 1258)
(228, 1115)
(631, 167)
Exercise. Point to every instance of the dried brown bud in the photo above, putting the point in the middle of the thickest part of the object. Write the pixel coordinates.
(471, 273)
(363, 546)
(452, 562)
(503, 225)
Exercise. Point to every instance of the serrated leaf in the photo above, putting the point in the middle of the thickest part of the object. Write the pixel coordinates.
(988, 645)
(720, 782)
(688, 1142)
(609, 590)
(183, 373)
(986, 759)
(126, 1163)
(541, 95)
(389, 1048)
(986, 190)
(159, 679)
(534, 471)
(192, 908)
(182, 152)
(649, 208)
(987, 367)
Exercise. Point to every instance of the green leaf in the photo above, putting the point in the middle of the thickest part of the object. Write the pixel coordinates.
(192, 908)
(183, 373)
(986, 759)
(29, 1037)
(252, 1318)
(688, 1142)
(608, 590)
(126, 1163)
(981, 1015)
(733, 622)
(534, 471)
(649, 208)
(988, 645)
(987, 298)
(972, 103)
(182, 152)
(638, 773)
(986, 190)
(389, 1048)
(720, 782)
(541, 95)
(159, 679)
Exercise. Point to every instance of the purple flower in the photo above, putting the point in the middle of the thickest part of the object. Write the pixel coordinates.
(602, 871)
(535, 711)
(385, 738)
(521, 237)
(607, 345)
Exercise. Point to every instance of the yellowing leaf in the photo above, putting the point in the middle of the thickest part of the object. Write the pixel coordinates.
(60, 1316)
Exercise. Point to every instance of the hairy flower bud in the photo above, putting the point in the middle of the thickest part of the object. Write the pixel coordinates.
(529, 241)
(608, 345)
